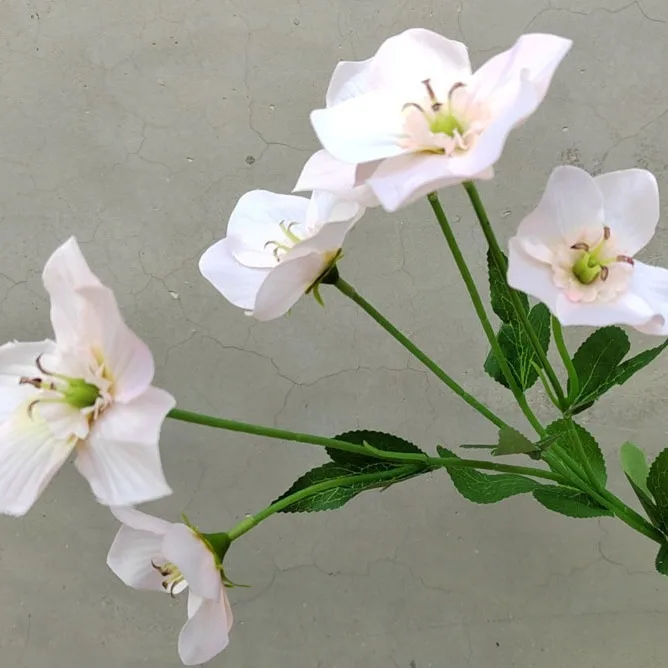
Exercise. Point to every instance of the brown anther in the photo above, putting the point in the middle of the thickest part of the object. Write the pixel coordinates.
(580, 246)
(430, 90)
(31, 407)
(606, 232)
(625, 258)
(35, 382)
(604, 274)
(412, 104)
(38, 364)
(454, 87)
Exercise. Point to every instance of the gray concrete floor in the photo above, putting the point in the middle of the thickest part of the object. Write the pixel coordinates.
(136, 124)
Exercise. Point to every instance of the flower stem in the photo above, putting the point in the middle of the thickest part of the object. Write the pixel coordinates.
(500, 261)
(369, 478)
(480, 311)
(349, 291)
(574, 381)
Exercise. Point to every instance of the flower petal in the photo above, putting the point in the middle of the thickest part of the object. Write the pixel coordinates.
(121, 458)
(631, 201)
(651, 285)
(136, 519)
(365, 128)
(326, 207)
(17, 360)
(237, 283)
(194, 559)
(627, 309)
(206, 633)
(534, 57)
(131, 558)
(323, 171)
(404, 61)
(350, 79)
(29, 458)
(126, 357)
(258, 214)
(572, 201)
(531, 276)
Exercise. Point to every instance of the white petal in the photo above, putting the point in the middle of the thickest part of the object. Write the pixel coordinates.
(323, 171)
(572, 201)
(350, 79)
(131, 558)
(136, 519)
(193, 558)
(206, 633)
(326, 207)
(631, 201)
(102, 330)
(258, 214)
(237, 283)
(121, 458)
(406, 60)
(527, 274)
(64, 420)
(651, 284)
(65, 271)
(627, 309)
(29, 458)
(534, 57)
(364, 128)
(17, 360)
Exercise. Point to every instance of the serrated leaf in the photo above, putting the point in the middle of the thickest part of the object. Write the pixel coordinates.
(657, 484)
(484, 488)
(662, 560)
(635, 466)
(513, 442)
(377, 439)
(518, 350)
(499, 292)
(339, 495)
(569, 502)
(566, 439)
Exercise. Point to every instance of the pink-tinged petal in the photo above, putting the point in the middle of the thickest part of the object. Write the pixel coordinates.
(206, 633)
(631, 203)
(65, 271)
(326, 207)
(651, 285)
(258, 214)
(527, 274)
(627, 309)
(237, 283)
(193, 558)
(64, 419)
(406, 60)
(17, 360)
(121, 458)
(136, 519)
(572, 201)
(365, 128)
(350, 79)
(323, 171)
(29, 458)
(534, 57)
(131, 558)
(102, 330)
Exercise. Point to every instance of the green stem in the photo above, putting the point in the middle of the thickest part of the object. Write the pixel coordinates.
(480, 311)
(500, 261)
(574, 381)
(276, 507)
(546, 385)
(349, 291)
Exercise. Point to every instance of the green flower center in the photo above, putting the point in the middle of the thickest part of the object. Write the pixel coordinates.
(447, 124)
(592, 263)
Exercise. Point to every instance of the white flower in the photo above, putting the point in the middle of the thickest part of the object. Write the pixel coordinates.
(89, 391)
(152, 554)
(418, 119)
(575, 251)
(277, 248)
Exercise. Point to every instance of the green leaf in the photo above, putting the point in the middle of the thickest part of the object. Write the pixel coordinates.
(500, 292)
(376, 439)
(599, 365)
(483, 488)
(512, 442)
(657, 484)
(662, 560)
(338, 496)
(569, 502)
(518, 350)
(634, 464)
(566, 439)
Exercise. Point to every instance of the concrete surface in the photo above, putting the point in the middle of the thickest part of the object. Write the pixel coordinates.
(136, 124)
